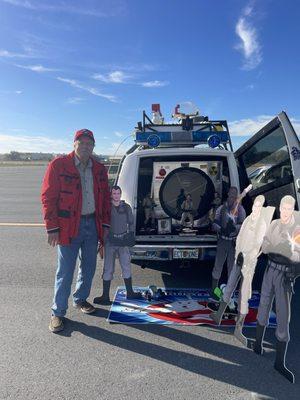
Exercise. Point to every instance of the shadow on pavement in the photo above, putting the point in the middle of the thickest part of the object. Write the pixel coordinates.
(235, 365)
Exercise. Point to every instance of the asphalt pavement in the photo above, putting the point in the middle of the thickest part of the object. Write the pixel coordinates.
(93, 359)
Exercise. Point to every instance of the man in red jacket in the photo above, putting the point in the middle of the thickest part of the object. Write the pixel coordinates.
(76, 209)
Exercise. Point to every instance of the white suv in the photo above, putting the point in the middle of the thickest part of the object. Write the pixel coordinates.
(170, 161)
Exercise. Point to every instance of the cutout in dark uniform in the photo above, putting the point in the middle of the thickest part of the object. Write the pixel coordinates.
(282, 246)
(248, 245)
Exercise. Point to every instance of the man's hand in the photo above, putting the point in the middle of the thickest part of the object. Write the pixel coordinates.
(100, 250)
(230, 226)
(105, 233)
(53, 238)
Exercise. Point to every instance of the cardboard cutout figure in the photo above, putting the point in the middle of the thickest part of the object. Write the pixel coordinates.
(215, 204)
(281, 244)
(149, 205)
(116, 244)
(180, 199)
(248, 244)
(187, 207)
(228, 220)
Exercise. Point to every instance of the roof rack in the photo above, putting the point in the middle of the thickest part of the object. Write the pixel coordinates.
(190, 131)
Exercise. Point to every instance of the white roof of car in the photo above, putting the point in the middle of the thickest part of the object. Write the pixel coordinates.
(180, 150)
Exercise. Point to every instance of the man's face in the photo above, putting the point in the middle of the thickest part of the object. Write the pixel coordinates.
(84, 147)
(232, 196)
(256, 209)
(286, 212)
(116, 195)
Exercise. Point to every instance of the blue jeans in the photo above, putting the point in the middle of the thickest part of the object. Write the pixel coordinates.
(85, 245)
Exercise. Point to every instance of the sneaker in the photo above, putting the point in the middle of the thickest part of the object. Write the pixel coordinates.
(86, 307)
(105, 301)
(56, 324)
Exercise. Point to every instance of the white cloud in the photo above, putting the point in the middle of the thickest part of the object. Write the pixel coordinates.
(148, 67)
(249, 44)
(248, 10)
(71, 82)
(36, 68)
(128, 67)
(118, 149)
(37, 143)
(10, 54)
(91, 90)
(75, 100)
(296, 124)
(113, 77)
(17, 130)
(20, 3)
(26, 143)
(249, 126)
(11, 92)
(151, 84)
(119, 76)
(110, 9)
(119, 134)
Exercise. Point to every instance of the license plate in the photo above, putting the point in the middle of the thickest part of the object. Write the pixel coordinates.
(185, 253)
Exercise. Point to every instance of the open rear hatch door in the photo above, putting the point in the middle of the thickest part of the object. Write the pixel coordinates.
(270, 161)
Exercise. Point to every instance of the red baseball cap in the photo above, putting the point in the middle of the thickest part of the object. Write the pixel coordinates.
(84, 132)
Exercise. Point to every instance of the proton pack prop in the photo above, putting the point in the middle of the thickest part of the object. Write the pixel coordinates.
(218, 293)
(232, 305)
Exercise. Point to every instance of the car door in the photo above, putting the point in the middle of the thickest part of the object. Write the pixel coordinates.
(274, 152)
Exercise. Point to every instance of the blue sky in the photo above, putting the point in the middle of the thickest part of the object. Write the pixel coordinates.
(67, 65)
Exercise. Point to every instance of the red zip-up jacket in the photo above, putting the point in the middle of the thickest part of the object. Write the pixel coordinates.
(62, 198)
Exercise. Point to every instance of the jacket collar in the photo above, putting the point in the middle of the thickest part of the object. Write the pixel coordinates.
(78, 162)
(70, 163)
(120, 206)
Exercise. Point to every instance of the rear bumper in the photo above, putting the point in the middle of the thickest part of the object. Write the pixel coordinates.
(165, 252)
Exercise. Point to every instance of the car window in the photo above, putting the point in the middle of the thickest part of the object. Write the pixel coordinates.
(270, 153)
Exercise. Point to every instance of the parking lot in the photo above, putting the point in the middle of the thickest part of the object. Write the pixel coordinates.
(92, 359)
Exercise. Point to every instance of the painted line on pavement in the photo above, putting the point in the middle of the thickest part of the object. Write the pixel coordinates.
(19, 224)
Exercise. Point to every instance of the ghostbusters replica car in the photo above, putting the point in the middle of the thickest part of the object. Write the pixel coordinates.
(178, 173)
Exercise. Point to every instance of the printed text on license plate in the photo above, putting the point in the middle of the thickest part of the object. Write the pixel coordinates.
(185, 253)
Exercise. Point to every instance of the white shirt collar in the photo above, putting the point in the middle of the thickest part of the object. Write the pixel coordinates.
(78, 162)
